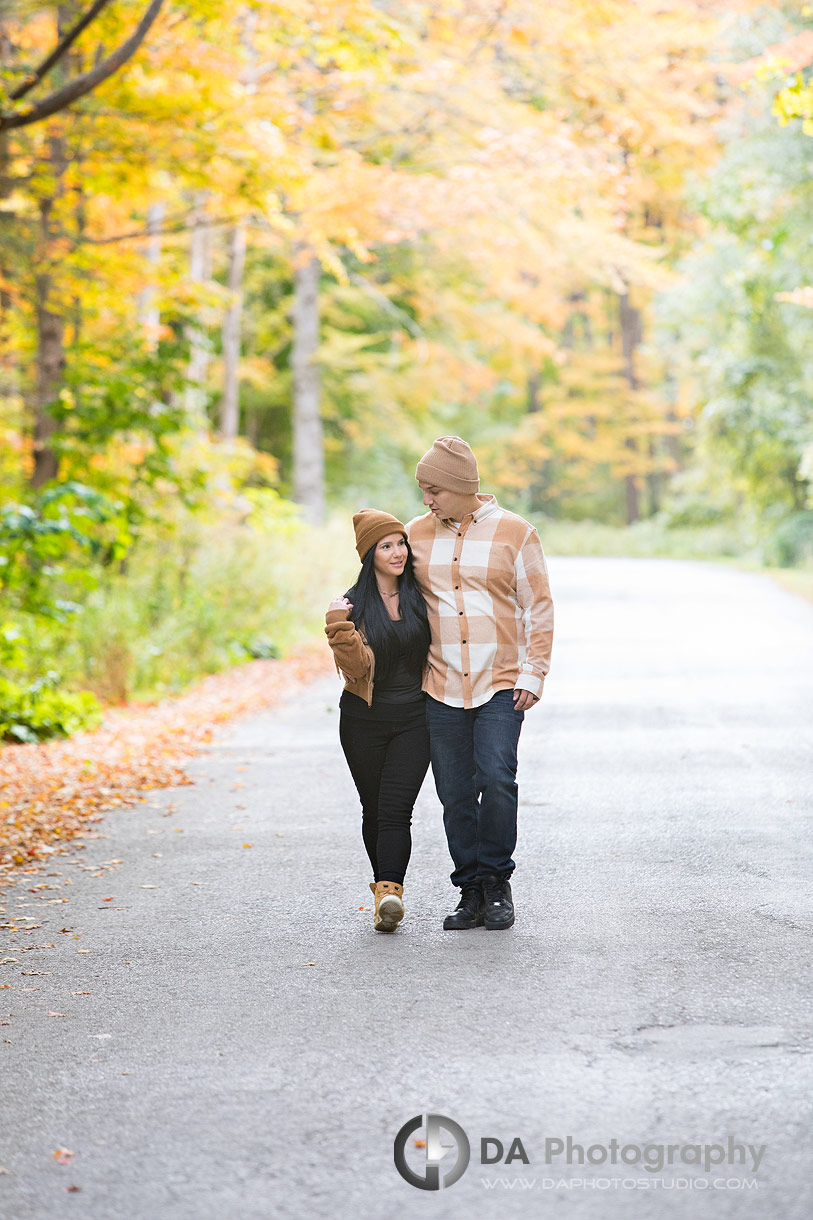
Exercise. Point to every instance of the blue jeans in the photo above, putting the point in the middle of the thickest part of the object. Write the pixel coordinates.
(474, 762)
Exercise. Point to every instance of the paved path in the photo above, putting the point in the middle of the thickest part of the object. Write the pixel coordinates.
(249, 1047)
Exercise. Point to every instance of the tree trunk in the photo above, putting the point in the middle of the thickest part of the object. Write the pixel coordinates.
(49, 305)
(533, 386)
(6, 187)
(253, 427)
(631, 333)
(148, 313)
(50, 350)
(50, 367)
(230, 404)
(199, 350)
(309, 458)
(653, 482)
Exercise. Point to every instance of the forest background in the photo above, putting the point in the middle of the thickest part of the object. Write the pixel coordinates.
(255, 256)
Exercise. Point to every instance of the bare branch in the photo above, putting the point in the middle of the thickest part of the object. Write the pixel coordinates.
(67, 42)
(60, 99)
(171, 226)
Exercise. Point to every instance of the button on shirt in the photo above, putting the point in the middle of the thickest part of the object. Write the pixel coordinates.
(486, 588)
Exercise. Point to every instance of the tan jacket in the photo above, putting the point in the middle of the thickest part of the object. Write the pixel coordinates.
(353, 655)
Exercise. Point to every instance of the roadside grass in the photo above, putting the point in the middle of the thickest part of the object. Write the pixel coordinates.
(795, 580)
(197, 605)
(221, 594)
(644, 539)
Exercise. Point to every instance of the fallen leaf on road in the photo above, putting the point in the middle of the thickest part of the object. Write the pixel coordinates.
(419, 1143)
(248, 845)
(71, 1189)
(57, 1014)
(80, 993)
(148, 887)
(31, 973)
(84, 950)
(63, 1156)
(110, 899)
(310, 963)
(54, 791)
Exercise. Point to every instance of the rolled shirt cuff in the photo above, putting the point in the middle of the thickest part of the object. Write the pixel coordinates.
(530, 682)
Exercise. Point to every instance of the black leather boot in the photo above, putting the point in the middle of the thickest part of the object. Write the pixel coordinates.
(499, 906)
(469, 911)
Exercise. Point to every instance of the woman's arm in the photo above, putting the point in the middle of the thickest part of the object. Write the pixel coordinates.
(353, 657)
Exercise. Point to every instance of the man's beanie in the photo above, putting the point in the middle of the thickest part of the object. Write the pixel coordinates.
(449, 465)
(371, 526)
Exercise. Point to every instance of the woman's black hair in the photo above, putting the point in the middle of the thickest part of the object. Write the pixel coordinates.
(369, 610)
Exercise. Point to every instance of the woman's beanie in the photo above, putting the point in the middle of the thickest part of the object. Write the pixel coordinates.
(449, 465)
(371, 526)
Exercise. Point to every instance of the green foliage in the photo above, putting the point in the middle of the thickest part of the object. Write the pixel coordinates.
(208, 596)
(40, 710)
(44, 546)
(791, 543)
(12, 651)
(742, 351)
(123, 390)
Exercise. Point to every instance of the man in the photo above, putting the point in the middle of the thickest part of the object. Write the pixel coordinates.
(482, 572)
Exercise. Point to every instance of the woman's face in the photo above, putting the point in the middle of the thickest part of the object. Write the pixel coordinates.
(390, 556)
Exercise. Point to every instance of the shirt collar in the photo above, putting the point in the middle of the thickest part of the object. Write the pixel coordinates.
(488, 507)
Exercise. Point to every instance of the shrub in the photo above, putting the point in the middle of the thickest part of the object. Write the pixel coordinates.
(792, 541)
(39, 710)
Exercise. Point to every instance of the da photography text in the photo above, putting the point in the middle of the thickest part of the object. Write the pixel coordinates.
(432, 1151)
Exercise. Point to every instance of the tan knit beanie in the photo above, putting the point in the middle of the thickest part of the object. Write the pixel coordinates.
(371, 526)
(449, 465)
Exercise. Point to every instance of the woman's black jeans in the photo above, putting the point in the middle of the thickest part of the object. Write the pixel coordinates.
(388, 760)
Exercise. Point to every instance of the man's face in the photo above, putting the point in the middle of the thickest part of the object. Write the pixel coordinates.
(445, 505)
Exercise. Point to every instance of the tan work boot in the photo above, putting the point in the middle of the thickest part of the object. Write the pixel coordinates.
(389, 906)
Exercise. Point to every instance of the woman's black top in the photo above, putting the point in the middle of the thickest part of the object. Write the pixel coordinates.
(393, 696)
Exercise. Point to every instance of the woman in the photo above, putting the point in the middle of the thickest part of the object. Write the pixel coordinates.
(379, 634)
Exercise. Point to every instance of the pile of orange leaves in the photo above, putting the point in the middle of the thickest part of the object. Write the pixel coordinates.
(49, 793)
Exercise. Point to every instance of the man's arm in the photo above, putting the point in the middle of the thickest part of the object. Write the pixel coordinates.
(534, 599)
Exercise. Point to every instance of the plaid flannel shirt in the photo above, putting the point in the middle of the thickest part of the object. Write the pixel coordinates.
(486, 588)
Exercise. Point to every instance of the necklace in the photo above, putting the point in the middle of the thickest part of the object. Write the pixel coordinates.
(383, 594)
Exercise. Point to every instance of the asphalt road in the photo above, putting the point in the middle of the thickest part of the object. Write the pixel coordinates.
(237, 1042)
